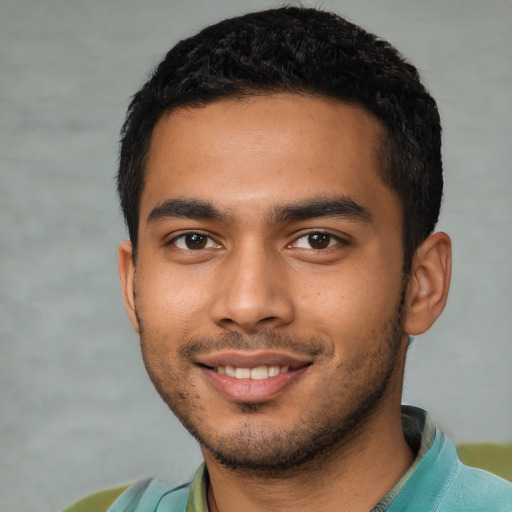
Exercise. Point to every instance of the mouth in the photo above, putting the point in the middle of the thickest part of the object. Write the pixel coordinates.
(252, 377)
(260, 372)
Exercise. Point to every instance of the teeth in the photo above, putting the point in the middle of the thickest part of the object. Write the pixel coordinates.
(259, 373)
(242, 373)
(274, 371)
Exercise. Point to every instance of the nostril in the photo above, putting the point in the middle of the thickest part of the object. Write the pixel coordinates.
(268, 319)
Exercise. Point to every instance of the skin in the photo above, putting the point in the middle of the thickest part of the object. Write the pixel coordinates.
(228, 272)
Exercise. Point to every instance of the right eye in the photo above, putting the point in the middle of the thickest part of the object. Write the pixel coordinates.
(193, 242)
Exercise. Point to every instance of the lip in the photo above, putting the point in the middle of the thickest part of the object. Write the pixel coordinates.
(249, 390)
(253, 358)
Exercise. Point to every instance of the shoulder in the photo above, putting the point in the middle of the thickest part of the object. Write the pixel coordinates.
(476, 490)
(98, 501)
(439, 481)
(149, 494)
(142, 496)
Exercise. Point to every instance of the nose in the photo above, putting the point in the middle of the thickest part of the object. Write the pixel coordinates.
(251, 293)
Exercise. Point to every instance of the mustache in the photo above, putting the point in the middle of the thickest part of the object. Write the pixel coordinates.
(311, 346)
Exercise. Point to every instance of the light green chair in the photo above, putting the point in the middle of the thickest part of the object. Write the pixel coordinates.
(99, 501)
(495, 458)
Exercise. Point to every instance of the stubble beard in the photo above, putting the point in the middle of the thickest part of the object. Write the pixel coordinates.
(318, 434)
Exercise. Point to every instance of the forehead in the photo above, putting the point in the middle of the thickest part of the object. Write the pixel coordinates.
(265, 150)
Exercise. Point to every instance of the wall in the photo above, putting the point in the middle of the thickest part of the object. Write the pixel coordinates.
(77, 410)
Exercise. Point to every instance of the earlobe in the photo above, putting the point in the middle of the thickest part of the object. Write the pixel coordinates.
(127, 276)
(429, 283)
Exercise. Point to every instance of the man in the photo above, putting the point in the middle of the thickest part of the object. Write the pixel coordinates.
(281, 178)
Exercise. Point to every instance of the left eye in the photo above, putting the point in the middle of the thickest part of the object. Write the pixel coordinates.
(316, 241)
(193, 242)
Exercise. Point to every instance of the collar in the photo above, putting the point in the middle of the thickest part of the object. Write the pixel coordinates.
(419, 432)
(432, 448)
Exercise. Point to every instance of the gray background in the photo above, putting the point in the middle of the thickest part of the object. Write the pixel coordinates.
(77, 411)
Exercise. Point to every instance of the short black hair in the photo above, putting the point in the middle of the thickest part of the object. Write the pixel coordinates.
(301, 51)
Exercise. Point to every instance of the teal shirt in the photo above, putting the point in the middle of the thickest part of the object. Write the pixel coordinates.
(436, 482)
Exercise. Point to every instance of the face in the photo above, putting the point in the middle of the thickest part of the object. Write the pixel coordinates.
(268, 281)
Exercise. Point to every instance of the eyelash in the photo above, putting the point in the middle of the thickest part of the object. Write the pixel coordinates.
(198, 234)
(332, 241)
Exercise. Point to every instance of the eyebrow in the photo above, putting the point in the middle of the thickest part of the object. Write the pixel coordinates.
(186, 209)
(198, 209)
(341, 206)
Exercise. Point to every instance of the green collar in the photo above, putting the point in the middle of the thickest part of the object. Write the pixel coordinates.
(419, 431)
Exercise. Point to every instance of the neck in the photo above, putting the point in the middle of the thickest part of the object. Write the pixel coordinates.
(355, 475)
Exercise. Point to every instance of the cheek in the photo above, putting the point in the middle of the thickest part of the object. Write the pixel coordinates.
(170, 304)
(351, 303)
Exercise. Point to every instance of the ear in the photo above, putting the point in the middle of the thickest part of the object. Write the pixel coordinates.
(127, 275)
(429, 283)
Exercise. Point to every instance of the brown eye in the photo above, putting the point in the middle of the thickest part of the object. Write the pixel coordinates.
(195, 241)
(319, 240)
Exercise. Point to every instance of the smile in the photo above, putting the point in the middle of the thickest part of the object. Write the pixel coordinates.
(253, 376)
(258, 373)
